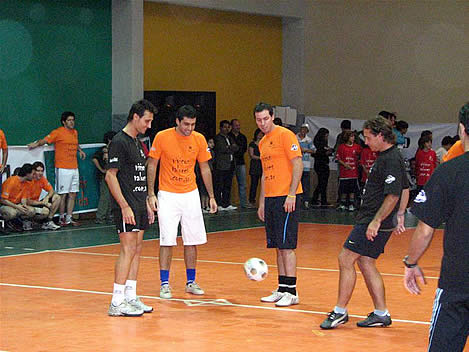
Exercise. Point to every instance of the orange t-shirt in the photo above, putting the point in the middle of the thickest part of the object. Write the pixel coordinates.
(35, 187)
(456, 150)
(66, 146)
(278, 148)
(177, 155)
(14, 190)
(3, 143)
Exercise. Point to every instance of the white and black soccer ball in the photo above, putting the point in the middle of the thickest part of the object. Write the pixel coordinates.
(256, 269)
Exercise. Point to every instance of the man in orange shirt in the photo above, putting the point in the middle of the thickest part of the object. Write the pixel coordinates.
(178, 199)
(456, 150)
(15, 194)
(4, 147)
(67, 180)
(282, 169)
(51, 201)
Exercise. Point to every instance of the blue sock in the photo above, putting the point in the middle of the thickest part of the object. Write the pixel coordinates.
(190, 273)
(164, 276)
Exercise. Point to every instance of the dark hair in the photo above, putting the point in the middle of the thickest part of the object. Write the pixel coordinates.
(256, 133)
(231, 122)
(16, 171)
(108, 136)
(38, 164)
(223, 122)
(346, 135)
(447, 140)
(401, 125)
(381, 125)
(346, 124)
(264, 106)
(64, 116)
(426, 133)
(319, 140)
(464, 116)
(186, 111)
(423, 140)
(384, 114)
(139, 108)
(26, 169)
(278, 121)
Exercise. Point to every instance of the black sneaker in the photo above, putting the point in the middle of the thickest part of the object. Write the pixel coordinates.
(333, 320)
(375, 320)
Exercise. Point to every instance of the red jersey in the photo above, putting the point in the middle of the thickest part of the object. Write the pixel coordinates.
(425, 164)
(367, 159)
(349, 154)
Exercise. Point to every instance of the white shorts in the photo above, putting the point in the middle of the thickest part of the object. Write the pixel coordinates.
(185, 208)
(67, 181)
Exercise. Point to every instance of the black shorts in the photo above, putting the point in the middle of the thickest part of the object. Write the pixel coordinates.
(349, 185)
(141, 221)
(358, 243)
(450, 321)
(281, 228)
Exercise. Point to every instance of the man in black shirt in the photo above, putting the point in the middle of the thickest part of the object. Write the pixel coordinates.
(127, 180)
(387, 182)
(240, 166)
(444, 199)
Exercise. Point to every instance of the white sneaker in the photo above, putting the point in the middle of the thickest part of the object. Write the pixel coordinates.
(124, 310)
(50, 225)
(287, 300)
(231, 207)
(27, 225)
(137, 303)
(165, 291)
(194, 289)
(274, 297)
(351, 208)
(220, 208)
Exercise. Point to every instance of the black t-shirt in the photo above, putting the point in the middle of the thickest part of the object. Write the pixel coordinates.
(387, 176)
(242, 142)
(445, 199)
(255, 168)
(99, 155)
(126, 154)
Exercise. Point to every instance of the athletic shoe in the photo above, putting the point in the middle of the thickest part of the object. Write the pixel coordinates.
(50, 225)
(194, 289)
(165, 291)
(220, 208)
(231, 207)
(27, 225)
(351, 208)
(124, 310)
(274, 297)
(375, 320)
(333, 320)
(137, 303)
(205, 211)
(341, 207)
(287, 300)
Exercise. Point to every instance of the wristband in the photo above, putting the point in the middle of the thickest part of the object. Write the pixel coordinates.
(289, 196)
(408, 265)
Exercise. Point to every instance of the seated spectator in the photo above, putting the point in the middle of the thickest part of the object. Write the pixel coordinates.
(50, 202)
(425, 161)
(255, 168)
(400, 131)
(15, 196)
(100, 160)
(347, 156)
(446, 144)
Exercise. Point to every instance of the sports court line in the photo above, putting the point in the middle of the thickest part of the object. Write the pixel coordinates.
(203, 302)
(221, 262)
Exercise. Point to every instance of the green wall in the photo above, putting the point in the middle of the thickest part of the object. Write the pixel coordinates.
(55, 56)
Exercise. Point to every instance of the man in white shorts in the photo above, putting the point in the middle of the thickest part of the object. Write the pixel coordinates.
(67, 180)
(177, 149)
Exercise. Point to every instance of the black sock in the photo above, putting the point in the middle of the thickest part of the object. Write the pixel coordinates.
(291, 284)
(282, 285)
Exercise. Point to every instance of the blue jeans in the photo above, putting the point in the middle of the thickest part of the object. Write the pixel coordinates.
(241, 179)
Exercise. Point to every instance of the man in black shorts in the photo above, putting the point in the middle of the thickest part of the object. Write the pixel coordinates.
(127, 181)
(387, 182)
(444, 199)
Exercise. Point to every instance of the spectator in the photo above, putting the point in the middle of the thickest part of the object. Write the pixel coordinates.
(240, 166)
(427, 133)
(367, 159)
(425, 161)
(400, 131)
(321, 165)
(456, 149)
(278, 121)
(345, 125)
(446, 144)
(306, 145)
(347, 156)
(100, 160)
(255, 168)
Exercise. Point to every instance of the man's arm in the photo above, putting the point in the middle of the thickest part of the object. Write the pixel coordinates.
(4, 160)
(20, 207)
(152, 165)
(96, 163)
(82, 153)
(37, 143)
(401, 211)
(260, 211)
(207, 177)
(297, 171)
(115, 189)
(383, 212)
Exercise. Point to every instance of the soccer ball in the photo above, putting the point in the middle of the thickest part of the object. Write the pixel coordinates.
(256, 269)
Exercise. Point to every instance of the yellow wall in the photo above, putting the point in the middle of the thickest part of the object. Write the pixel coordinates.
(238, 56)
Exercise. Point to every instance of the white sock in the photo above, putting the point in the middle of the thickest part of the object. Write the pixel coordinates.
(381, 313)
(340, 310)
(68, 218)
(131, 289)
(118, 295)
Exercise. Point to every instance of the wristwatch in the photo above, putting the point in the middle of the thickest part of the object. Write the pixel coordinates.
(407, 264)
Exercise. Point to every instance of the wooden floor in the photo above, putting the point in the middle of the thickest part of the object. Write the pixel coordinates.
(58, 300)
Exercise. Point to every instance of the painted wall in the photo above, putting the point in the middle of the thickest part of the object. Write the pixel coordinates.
(238, 56)
(54, 56)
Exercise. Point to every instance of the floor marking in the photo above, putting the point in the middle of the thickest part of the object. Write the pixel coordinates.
(207, 301)
(289, 310)
(29, 249)
(222, 262)
(318, 333)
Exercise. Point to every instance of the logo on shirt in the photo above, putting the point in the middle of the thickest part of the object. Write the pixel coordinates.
(294, 147)
(390, 179)
(208, 149)
(421, 197)
(114, 160)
